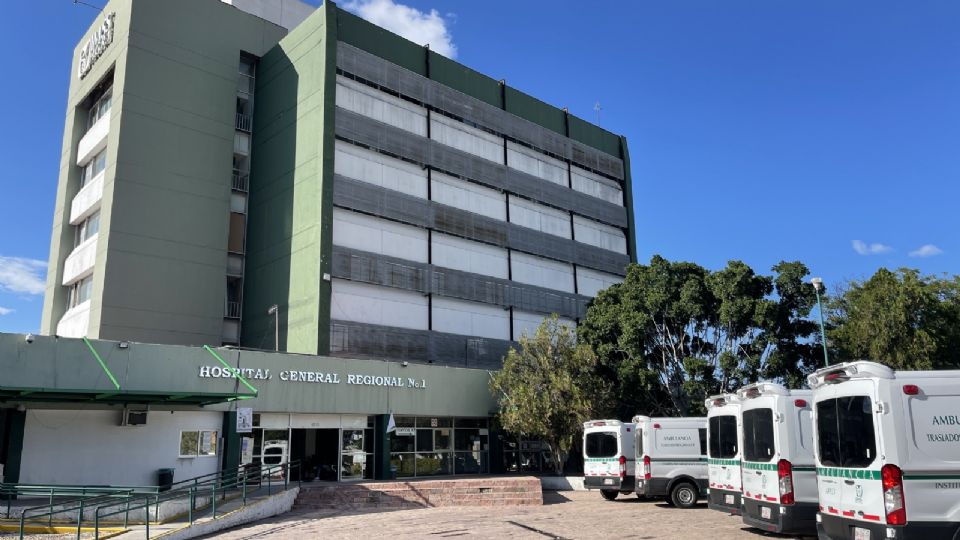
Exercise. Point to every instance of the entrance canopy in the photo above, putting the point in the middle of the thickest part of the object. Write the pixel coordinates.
(67, 370)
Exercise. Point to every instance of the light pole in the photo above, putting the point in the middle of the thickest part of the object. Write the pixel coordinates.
(817, 285)
(275, 311)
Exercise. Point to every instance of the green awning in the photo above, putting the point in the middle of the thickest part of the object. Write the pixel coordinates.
(118, 397)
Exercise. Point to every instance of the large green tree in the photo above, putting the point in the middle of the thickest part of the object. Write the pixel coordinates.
(546, 389)
(902, 319)
(674, 332)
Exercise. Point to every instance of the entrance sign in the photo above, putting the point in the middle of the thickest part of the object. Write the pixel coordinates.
(94, 47)
(244, 420)
(406, 431)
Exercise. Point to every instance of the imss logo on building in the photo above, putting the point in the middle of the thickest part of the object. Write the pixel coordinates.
(94, 47)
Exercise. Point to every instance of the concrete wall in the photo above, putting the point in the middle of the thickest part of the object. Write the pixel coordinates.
(90, 447)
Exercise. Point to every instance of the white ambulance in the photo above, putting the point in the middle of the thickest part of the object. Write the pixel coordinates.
(673, 454)
(608, 457)
(779, 478)
(723, 453)
(888, 452)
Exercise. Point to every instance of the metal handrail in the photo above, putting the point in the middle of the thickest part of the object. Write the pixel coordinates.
(241, 180)
(10, 491)
(244, 122)
(134, 498)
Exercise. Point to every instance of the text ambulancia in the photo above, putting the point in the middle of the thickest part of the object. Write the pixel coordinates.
(608, 462)
(673, 454)
(888, 452)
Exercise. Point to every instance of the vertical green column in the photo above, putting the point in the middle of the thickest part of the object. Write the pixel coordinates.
(12, 439)
(496, 447)
(381, 449)
(628, 200)
(231, 442)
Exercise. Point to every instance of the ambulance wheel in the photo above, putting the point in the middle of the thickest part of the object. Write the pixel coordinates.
(609, 494)
(684, 495)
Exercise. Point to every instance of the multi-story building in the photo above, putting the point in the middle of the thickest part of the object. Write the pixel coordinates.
(265, 175)
(391, 202)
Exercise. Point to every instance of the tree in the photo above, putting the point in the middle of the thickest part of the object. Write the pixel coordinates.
(546, 389)
(674, 333)
(901, 319)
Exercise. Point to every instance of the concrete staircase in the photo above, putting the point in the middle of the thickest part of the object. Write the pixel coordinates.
(484, 491)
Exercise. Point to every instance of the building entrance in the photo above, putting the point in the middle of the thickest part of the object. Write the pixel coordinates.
(318, 451)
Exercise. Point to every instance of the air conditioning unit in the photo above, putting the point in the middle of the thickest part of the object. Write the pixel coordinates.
(133, 417)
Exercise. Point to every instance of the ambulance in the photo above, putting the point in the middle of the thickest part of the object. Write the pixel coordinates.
(888, 452)
(723, 452)
(673, 453)
(608, 457)
(779, 478)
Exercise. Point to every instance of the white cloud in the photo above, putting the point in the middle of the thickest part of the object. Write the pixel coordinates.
(875, 248)
(411, 23)
(926, 250)
(5, 311)
(21, 275)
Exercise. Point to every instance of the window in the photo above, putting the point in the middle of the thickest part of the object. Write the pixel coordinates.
(100, 107)
(88, 228)
(198, 443)
(93, 168)
(638, 437)
(723, 436)
(758, 444)
(703, 441)
(846, 437)
(80, 292)
(601, 444)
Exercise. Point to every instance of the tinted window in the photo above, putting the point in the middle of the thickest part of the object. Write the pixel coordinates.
(601, 444)
(723, 436)
(639, 442)
(845, 434)
(703, 441)
(758, 435)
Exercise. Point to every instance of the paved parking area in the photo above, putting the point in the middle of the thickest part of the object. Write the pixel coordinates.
(570, 514)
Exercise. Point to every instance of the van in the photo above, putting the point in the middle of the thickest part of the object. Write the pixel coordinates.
(673, 454)
(608, 457)
(723, 454)
(779, 478)
(888, 452)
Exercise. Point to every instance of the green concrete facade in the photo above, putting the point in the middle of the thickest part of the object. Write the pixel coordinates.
(162, 248)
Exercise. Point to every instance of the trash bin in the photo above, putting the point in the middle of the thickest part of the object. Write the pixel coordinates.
(164, 479)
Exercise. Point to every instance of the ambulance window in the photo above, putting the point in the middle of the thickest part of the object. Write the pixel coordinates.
(723, 436)
(639, 441)
(845, 432)
(703, 441)
(601, 444)
(758, 444)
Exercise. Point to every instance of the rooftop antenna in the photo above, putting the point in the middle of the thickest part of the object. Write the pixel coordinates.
(78, 2)
(598, 108)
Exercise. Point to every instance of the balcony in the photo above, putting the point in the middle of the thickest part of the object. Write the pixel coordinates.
(80, 262)
(244, 122)
(94, 140)
(241, 180)
(232, 310)
(87, 200)
(75, 322)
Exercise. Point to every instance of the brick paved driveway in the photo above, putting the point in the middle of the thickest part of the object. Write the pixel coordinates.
(565, 515)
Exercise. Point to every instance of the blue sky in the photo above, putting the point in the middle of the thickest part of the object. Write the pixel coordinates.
(758, 130)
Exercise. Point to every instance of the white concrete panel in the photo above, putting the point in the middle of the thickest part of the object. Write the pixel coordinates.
(539, 217)
(381, 106)
(467, 138)
(590, 282)
(381, 236)
(75, 322)
(91, 447)
(94, 140)
(380, 170)
(541, 272)
(241, 143)
(80, 261)
(595, 185)
(470, 318)
(468, 196)
(600, 235)
(373, 304)
(238, 202)
(285, 13)
(538, 164)
(528, 322)
(469, 256)
(87, 200)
